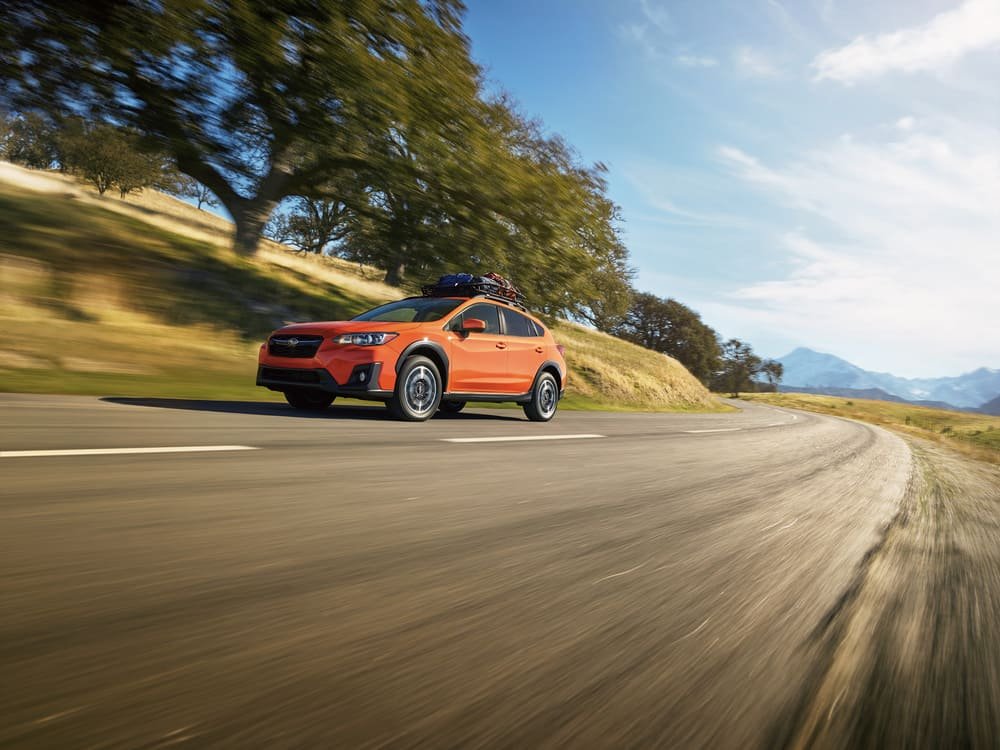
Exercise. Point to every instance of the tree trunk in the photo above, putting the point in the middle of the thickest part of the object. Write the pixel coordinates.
(249, 214)
(250, 220)
(394, 273)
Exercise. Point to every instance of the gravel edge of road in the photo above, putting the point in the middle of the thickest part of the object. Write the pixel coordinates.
(909, 655)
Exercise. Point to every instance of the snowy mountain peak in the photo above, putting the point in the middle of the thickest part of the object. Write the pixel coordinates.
(806, 368)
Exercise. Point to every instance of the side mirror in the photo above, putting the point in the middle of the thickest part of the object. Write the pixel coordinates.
(473, 325)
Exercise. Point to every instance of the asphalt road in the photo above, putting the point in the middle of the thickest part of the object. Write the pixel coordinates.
(349, 581)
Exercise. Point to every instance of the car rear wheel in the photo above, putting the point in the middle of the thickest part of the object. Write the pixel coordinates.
(418, 390)
(308, 399)
(452, 407)
(544, 399)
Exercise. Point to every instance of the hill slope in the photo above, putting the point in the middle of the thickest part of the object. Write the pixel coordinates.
(991, 407)
(144, 297)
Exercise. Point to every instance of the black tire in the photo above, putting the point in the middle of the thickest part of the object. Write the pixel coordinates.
(418, 390)
(544, 399)
(308, 399)
(452, 407)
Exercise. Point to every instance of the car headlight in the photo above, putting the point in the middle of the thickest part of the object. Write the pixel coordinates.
(365, 339)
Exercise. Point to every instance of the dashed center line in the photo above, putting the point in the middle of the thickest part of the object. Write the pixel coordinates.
(125, 451)
(518, 438)
(622, 573)
(724, 429)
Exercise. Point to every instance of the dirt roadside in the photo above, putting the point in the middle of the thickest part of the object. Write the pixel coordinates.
(910, 657)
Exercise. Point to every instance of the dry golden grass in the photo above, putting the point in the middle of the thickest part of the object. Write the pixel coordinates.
(150, 275)
(612, 372)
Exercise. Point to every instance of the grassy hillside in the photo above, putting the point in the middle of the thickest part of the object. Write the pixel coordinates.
(143, 297)
(977, 435)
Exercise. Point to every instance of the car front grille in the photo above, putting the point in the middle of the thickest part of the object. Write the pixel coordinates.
(301, 347)
(281, 375)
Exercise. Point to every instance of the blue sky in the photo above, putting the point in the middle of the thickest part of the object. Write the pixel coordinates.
(822, 173)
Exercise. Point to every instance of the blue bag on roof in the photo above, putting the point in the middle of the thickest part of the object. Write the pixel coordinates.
(455, 279)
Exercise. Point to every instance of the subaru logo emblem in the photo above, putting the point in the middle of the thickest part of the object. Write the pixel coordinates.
(293, 342)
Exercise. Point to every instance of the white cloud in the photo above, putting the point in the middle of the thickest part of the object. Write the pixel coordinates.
(974, 25)
(657, 15)
(901, 257)
(696, 61)
(906, 123)
(753, 62)
(652, 36)
(637, 34)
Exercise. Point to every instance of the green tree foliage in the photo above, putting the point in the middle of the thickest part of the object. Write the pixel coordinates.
(177, 183)
(499, 195)
(367, 117)
(772, 370)
(255, 100)
(552, 226)
(313, 225)
(6, 122)
(107, 157)
(666, 325)
(30, 139)
(740, 367)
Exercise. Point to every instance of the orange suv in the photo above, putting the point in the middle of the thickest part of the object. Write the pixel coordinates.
(419, 355)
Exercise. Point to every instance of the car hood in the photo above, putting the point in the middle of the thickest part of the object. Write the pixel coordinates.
(337, 327)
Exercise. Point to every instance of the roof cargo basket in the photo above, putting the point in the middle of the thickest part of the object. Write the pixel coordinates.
(491, 285)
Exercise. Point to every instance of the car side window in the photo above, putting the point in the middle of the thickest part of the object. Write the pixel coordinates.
(490, 314)
(516, 324)
(539, 331)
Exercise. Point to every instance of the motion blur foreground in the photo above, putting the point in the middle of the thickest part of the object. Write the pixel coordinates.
(352, 581)
(235, 573)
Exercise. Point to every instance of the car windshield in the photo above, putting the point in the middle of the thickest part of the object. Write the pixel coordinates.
(415, 310)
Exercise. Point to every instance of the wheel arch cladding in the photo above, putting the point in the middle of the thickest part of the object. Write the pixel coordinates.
(434, 352)
(552, 368)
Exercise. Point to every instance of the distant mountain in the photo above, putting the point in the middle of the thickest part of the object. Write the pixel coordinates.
(805, 368)
(991, 407)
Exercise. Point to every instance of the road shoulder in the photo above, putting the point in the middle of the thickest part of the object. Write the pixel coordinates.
(909, 656)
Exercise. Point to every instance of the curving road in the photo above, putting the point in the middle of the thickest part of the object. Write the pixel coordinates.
(348, 581)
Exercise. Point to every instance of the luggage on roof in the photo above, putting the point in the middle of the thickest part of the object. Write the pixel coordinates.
(466, 285)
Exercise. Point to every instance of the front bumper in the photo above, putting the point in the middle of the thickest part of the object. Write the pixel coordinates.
(362, 382)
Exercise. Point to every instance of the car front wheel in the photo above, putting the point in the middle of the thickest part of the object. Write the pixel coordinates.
(544, 399)
(418, 390)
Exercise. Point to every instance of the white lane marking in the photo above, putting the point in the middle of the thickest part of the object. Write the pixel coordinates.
(623, 573)
(516, 439)
(724, 429)
(786, 526)
(122, 451)
(695, 631)
(60, 715)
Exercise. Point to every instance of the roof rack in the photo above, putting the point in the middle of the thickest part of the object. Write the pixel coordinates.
(505, 300)
(490, 291)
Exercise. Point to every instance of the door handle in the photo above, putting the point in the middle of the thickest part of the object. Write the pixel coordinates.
(540, 350)
(501, 345)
